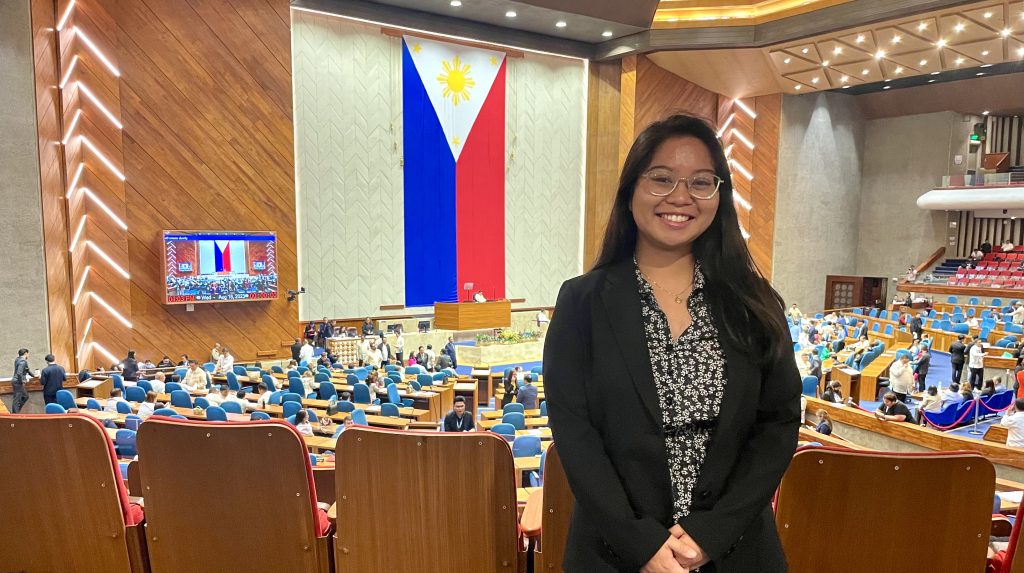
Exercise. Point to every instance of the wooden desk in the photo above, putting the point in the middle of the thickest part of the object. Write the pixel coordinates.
(530, 423)
(379, 421)
(320, 443)
(542, 433)
(472, 315)
(192, 415)
(467, 390)
(849, 378)
(497, 414)
(997, 433)
(96, 388)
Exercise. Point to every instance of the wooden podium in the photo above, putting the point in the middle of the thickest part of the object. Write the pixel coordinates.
(472, 315)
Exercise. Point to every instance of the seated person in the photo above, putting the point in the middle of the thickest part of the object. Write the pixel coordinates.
(1014, 421)
(861, 346)
(824, 423)
(239, 398)
(1007, 246)
(951, 395)
(115, 397)
(458, 420)
(165, 362)
(158, 381)
(833, 393)
(346, 397)
(373, 381)
(893, 410)
(988, 388)
(966, 393)
(308, 382)
(147, 408)
(264, 398)
(443, 361)
(302, 423)
(527, 395)
(195, 379)
(931, 402)
(218, 395)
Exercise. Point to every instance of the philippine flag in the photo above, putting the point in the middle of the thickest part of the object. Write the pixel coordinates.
(221, 257)
(453, 100)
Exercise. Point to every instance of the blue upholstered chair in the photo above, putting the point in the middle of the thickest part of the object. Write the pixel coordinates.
(232, 407)
(64, 398)
(216, 414)
(54, 408)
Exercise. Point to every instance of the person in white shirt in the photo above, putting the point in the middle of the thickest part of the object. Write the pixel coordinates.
(226, 363)
(542, 322)
(976, 364)
(373, 355)
(973, 322)
(216, 397)
(264, 398)
(385, 350)
(306, 352)
(215, 353)
(901, 377)
(1014, 421)
(399, 346)
(147, 408)
(431, 357)
(115, 397)
(308, 382)
(195, 379)
(1007, 246)
(302, 423)
(157, 383)
(239, 398)
(1017, 316)
(951, 395)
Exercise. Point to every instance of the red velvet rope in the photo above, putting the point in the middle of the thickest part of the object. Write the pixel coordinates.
(953, 425)
(986, 406)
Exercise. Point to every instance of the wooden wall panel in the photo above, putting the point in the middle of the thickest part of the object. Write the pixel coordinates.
(764, 185)
(55, 236)
(660, 93)
(603, 148)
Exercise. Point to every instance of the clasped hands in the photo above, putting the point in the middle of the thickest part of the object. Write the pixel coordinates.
(679, 554)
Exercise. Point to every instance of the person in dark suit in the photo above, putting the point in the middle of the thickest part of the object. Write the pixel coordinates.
(18, 381)
(917, 326)
(509, 384)
(52, 378)
(924, 362)
(814, 365)
(130, 367)
(527, 395)
(672, 389)
(449, 349)
(324, 331)
(957, 357)
(458, 420)
(296, 347)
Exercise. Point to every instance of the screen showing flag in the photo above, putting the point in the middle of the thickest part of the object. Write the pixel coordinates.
(214, 266)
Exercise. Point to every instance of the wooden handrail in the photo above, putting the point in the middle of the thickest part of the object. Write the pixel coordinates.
(938, 254)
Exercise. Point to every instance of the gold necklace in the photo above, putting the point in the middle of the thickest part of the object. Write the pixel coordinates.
(677, 297)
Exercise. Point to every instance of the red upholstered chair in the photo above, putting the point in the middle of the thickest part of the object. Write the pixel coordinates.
(65, 507)
(230, 496)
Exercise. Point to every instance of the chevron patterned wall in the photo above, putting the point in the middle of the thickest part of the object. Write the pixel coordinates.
(348, 127)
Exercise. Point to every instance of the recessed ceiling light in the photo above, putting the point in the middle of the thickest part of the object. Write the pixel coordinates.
(561, 24)
(980, 74)
(825, 63)
(455, 3)
(844, 79)
(941, 43)
(960, 61)
(923, 63)
(960, 27)
(931, 81)
(922, 26)
(607, 33)
(837, 51)
(844, 87)
(984, 53)
(896, 39)
(864, 72)
(935, 73)
(797, 87)
(814, 80)
(879, 54)
(1005, 32)
(805, 50)
(988, 14)
(886, 87)
(985, 66)
(887, 80)
(787, 60)
(899, 69)
(985, 112)
(860, 39)
(511, 14)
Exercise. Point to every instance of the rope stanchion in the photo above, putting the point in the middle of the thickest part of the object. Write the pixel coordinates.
(951, 426)
(990, 409)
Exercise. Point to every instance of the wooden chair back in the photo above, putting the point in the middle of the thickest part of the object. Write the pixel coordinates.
(448, 506)
(229, 496)
(558, 506)
(64, 504)
(845, 510)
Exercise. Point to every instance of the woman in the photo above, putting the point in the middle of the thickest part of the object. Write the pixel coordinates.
(833, 393)
(824, 423)
(930, 402)
(671, 385)
(510, 384)
(309, 333)
(988, 389)
(130, 368)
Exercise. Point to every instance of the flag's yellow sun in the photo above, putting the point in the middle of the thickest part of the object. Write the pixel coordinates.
(456, 80)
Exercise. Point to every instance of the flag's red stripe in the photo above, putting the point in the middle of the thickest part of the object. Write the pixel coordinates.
(480, 198)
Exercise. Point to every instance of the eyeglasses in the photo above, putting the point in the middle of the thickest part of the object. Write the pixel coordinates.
(663, 183)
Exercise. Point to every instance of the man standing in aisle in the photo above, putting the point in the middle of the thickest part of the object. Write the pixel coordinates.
(52, 378)
(449, 349)
(957, 357)
(19, 379)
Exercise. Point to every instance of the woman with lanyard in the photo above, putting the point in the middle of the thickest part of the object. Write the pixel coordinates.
(672, 390)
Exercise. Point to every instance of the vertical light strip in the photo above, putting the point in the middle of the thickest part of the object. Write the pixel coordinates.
(728, 151)
(107, 258)
(74, 180)
(67, 14)
(77, 235)
(739, 135)
(67, 74)
(85, 39)
(109, 308)
(737, 198)
(85, 334)
(96, 101)
(107, 210)
(725, 125)
(743, 231)
(81, 285)
(741, 169)
(113, 359)
(71, 127)
(103, 158)
(739, 103)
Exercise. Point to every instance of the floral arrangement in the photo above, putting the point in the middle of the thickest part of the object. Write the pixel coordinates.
(507, 336)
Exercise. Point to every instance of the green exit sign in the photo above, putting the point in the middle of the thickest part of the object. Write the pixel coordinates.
(975, 137)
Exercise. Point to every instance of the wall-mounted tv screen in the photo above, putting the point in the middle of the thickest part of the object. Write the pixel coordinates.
(219, 266)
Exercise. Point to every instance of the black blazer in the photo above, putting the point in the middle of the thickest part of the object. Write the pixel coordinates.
(924, 363)
(605, 417)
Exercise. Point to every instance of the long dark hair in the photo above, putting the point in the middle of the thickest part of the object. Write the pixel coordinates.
(752, 309)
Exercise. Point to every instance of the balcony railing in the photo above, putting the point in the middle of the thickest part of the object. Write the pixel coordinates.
(983, 180)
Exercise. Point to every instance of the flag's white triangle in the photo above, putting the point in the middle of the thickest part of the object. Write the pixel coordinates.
(457, 79)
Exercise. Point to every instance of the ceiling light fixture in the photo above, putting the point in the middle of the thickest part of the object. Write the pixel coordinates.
(805, 50)
(922, 26)
(1006, 32)
(886, 87)
(899, 69)
(860, 39)
(980, 74)
(814, 80)
(935, 73)
(797, 87)
(931, 81)
(846, 86)
(985, 112)
(844, 79)
(607, 33)
(988, 14)
(787, 60)
(825, 63)
(985, 66)
(984, 52)
(923, 63)
(941, 43)
(864, 72)
(837, 51)
(960, 61)
(561, 24)
(455, 3)
(879, 54)
(960, 27)
(511, 14)
(896, 39)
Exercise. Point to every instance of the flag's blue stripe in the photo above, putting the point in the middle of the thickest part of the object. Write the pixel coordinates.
(218, 258)
(430, 256)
